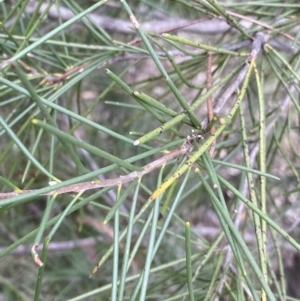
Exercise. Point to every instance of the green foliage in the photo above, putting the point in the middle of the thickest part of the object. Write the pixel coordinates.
(104, 173)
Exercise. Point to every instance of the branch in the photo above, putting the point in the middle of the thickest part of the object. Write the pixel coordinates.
(259, 40)
(212, 26)
(80, 187)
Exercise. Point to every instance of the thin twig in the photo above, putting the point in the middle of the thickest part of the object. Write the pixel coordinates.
(262, 24)
(56, 246)
(58, 78)
(80, 187)
(256, 47)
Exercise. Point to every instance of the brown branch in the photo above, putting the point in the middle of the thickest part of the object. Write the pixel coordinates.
(256, 46)
(81, 187)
